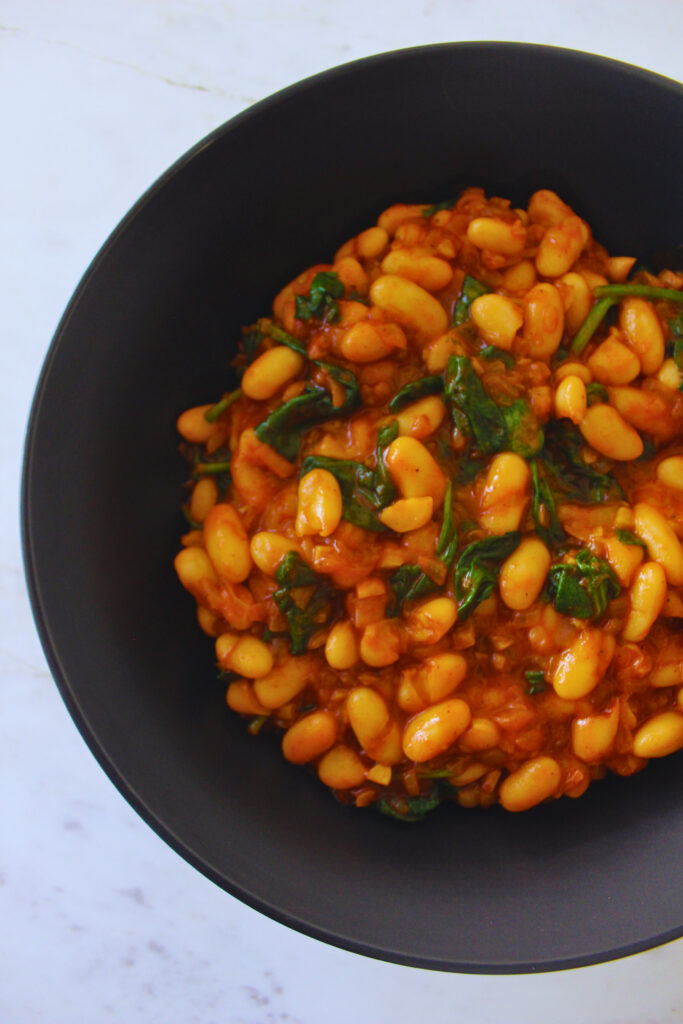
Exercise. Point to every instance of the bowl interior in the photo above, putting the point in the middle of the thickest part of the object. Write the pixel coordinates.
(152, 330)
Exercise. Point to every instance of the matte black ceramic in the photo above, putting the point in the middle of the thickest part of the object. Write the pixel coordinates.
(152, 329)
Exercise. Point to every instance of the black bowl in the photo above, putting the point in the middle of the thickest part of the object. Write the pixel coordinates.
(152, 329)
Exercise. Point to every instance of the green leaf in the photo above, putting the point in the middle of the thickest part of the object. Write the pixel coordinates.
(477, 570)
(320, 303)
(591, 323)
(302, 622)
(492, 352)
(626, 537)
(492, 427)
(365, 492)
(284, 428)
(596, 393)
(471, 290)
(217, 410)
(584, 588)
(535, 681)
(416, 390)
(412, 808)
(410, 582)
(544, 509)
(250, 343)
(569, 475)
(444, 204)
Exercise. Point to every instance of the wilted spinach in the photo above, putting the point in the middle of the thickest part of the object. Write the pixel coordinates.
(543, 508)
(471, 290)
(410, 582)
(566, 470)
(535, 681)
(584, 588)
(303, 620)
(491, 352)
(477, 570)
(415, 390)
(320, 303)
(414, 808)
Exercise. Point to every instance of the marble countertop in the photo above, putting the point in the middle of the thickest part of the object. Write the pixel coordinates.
(100, 920)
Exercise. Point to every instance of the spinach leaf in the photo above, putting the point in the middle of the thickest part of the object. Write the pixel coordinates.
(493, 352)
(212, 414)
(478, 568)
(608, 295)
(250, 343)
(303, 620)
(413, 808)
(544, 510)
(410, 582)
(365, 492)
(415, 390)
(320, 303)
(471, 290)
(444, 204)
(626, 537)
(582, 589)
(569, 474)
(674, 348)
(596, 393)
(535, 681)
(284, 428)
(493, 428)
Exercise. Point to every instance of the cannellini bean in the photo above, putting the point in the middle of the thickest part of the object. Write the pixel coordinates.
(240, 697)
(268, 550)
(523, 574)
(431, 620)
(497, 318)
(520, 277)
(669, 375)
(640, 324)
(582, 665)
(408, 514)
(192, 566)
(204, 497)
(481, 734)
(341, 646)
(662, 543)
(193, 425)
(593, 736)
(537, 780)
(560, 247)
(394, 215)
(341, 768)
(607, 431)
(227, 543)
(309, 737)
(372, 242)
(420, 419)
(430, 681)
(612, 362)
(434, 730)
(619, 267)
(570, 399)
(209, 621)
(546, 207)
(623, 558)
(414, 470)
(578, 300)
(505, 493)
(271, 371)
(366, 343)
(670, 472)
(351, 274)
(668, 674)
(570, 369)
(285, 681)
(506, 237)
(410, 305)
(437, 353)
(543, 321)
(319, 504)
(246, 655)
(368, 714)
(645, 410)
(380, 644)
(660, 736)
(647, 595)
(418, 265)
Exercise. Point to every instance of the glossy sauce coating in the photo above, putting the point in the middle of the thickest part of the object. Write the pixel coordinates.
(436, 533)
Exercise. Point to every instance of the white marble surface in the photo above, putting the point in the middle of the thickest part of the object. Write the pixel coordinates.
(100, 920)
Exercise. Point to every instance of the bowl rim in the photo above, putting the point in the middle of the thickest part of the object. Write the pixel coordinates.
(39, 611)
